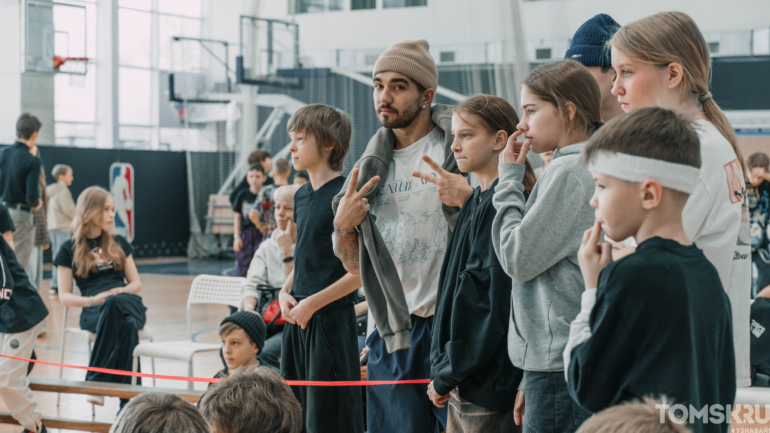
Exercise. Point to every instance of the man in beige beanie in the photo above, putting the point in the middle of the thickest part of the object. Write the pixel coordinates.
(399, 253)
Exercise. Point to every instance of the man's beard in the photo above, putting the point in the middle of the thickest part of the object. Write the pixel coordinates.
(402, 120)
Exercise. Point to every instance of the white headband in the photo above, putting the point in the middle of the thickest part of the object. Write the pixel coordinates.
(637, 169)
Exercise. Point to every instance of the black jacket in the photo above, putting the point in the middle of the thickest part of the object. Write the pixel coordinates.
(19, 175)
(20, 305)
(470, 334)
(661, 325)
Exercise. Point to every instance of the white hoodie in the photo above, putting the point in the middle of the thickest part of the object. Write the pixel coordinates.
(716, 219)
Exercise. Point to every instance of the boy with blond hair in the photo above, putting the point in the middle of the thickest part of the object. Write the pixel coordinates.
(644, 416)
(657, 322)
(320, 338)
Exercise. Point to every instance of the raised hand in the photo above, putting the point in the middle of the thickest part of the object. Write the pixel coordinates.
(354, 206)
(515, 151)
(452, 189)
(593, 256)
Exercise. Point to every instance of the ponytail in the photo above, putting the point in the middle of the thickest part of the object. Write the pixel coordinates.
(715, 115)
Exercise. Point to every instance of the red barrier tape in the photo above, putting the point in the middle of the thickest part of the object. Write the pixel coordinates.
(212, 380)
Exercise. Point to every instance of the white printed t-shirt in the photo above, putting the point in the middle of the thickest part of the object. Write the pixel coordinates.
(409, 216)
(716, 218)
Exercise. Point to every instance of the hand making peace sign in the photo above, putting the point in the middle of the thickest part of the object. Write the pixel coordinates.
(353, 206)
(453, 189)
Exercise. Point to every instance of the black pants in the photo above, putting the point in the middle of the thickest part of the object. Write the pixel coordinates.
(117, 334)
(327, 350)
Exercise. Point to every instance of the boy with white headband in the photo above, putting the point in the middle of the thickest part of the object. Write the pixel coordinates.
(657, 322)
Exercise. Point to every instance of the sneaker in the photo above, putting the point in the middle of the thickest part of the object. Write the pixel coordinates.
(42, 430)
(96, 399)
(53, 291)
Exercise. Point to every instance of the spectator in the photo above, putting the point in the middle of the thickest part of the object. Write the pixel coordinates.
(758, 190)
(19, 185)
(273, 263)
(248, 230)
(281, 172)
(42, 241)
(243, 336)
(257, 157)
(301, 178)
(254, 400)
(61, 212)
(155, 412)
(21, 319)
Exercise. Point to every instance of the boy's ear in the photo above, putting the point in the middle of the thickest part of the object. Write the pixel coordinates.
(652, 194)
(675, 74)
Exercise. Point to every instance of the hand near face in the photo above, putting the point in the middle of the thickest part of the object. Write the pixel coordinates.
(452, 188)
(593, 256)
(515, 151)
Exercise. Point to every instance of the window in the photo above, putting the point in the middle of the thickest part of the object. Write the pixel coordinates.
(314, 6)
(543, 54)
(447, 57)
(403, 3)
(362, 4)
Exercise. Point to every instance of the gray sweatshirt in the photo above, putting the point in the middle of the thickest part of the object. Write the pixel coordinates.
(537, 241)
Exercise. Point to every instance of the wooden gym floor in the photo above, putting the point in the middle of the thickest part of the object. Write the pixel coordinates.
(165, 297)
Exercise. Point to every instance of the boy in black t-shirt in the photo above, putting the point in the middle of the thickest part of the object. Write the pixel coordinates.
(758, 190)
(257, 157)
(319, 340)
(657, 322)
(248, 228)
(21, 318)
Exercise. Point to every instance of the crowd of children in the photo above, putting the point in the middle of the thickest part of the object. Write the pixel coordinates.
(500, 285)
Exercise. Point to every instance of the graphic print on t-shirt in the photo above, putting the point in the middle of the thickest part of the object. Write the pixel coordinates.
(101, 264)
(734, 181)
(759, 208)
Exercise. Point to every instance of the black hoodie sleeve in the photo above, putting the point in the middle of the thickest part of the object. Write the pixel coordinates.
(480, 310)
(599, 366)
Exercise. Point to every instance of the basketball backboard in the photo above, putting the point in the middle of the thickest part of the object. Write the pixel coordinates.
(269, 52)
(56, 37)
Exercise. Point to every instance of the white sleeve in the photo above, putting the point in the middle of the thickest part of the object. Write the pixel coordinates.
(579, 329)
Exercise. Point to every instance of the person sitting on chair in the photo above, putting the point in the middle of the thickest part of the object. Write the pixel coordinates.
(103, 268)
(272, 264)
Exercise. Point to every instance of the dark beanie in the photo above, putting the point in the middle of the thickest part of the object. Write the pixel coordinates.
(251, 323)
(589, 45)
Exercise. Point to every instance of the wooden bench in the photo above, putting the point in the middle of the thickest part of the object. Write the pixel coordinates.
(61, 423)
(93, 388)
(106, 389)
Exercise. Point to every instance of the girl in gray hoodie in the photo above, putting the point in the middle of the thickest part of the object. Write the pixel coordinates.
(537, 240)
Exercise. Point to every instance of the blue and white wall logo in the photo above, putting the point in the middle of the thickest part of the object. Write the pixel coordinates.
(122, 189)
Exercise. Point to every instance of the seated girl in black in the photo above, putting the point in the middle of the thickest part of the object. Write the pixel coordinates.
(104, 270)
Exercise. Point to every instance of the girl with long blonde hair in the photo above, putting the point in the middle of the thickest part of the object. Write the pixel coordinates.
(103, 267)
(663, 60)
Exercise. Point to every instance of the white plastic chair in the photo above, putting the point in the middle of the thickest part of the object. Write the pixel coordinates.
(205, 289)
(144, 334)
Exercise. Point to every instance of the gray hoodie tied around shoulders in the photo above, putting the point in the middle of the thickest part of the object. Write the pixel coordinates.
(379, 276)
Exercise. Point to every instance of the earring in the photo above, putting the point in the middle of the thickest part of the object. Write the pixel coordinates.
(423, 106)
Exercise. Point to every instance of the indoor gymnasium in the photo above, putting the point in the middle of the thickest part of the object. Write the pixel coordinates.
(384, 216)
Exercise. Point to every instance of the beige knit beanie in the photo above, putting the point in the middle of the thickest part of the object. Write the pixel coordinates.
(412, 59)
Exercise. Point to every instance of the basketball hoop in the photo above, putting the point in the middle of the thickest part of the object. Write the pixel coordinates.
(75, 67)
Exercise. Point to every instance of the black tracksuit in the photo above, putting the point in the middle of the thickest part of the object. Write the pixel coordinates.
(661, 325)
(327, 349)
(469, 350)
